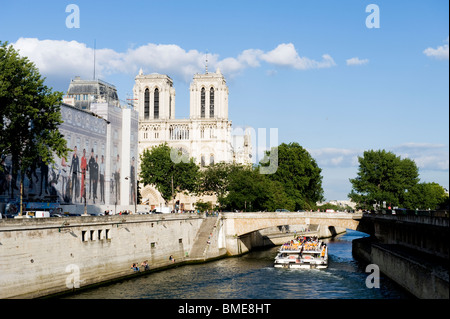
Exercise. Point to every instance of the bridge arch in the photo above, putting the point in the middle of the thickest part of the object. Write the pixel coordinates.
(241, 229)
(239, 224)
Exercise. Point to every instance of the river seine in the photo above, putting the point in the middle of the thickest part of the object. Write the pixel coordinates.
(253, 276)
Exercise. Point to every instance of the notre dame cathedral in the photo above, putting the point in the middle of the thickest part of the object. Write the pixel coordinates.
(207, 134)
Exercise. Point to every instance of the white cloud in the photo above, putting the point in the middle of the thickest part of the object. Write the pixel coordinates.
(56, 57)
(65, 59)
(340, 164)
(427, 156)
(250, 57)
(440, 53)
(336, 157)
(285, 54)
(357, 61)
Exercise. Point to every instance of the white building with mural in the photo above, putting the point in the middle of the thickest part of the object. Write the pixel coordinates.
(101, 168)
(206, 135)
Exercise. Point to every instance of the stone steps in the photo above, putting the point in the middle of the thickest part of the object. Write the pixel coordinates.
(200, 244)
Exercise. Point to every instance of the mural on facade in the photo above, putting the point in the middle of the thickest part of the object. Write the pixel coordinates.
(92, 170)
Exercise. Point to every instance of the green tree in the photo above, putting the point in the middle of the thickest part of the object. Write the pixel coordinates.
(30, 114)
(249, 190)
(202, 206)
(214, 179)
(426, 196)
(160, 168)
(383, 176)
(277, 197)
(299, 175)
(246, 190)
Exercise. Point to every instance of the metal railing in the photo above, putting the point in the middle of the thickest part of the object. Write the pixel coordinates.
(413, 212)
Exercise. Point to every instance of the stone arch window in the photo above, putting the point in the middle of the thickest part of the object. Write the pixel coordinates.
(202, 103)
(156, 104)
(146, 103)
(178, 132)
(202, 162)
(211, 102)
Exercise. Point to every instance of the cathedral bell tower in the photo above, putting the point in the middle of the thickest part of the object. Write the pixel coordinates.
(155, 96)
(209, 96)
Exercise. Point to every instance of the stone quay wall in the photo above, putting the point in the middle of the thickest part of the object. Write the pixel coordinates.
(40, 257)
(47, 256)
(416, 273)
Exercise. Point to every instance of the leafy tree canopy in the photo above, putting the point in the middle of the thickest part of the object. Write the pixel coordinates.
(296, 184)
(29, 111)
(30, 115)
(425, 196)
(159, 168)
(215, 179)
(299, 175)
(383, 176)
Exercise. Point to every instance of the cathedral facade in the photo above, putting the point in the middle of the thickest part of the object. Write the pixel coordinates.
(207, 134)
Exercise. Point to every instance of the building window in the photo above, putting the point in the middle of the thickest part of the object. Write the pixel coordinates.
(211, 102)
(146, 104)
(211, 160)
(156, 104)
(202, 103)
(202, 163)
(170, 106)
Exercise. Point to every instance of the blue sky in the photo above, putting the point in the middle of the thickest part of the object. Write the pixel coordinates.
(311, 69)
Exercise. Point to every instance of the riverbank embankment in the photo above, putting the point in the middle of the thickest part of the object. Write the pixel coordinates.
(40, 257)
(421, 274)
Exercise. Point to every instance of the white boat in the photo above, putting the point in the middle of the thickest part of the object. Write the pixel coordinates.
(307, 253)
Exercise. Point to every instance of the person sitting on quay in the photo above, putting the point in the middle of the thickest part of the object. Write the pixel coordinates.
(134, 267)
(145, 265)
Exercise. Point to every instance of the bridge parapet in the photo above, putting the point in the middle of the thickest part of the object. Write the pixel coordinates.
(336, 215)
(413, 219)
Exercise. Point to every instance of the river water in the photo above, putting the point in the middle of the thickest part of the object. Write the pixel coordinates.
(253, 276)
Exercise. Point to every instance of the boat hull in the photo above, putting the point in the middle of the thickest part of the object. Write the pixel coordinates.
(308, 253)
(301, 266)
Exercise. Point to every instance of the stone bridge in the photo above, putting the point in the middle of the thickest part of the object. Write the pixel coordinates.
(241, 229)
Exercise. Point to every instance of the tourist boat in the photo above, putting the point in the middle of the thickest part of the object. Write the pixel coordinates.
(304, 252)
